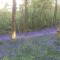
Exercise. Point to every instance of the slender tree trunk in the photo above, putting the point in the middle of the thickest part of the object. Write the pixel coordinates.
(26, 15)
(14, 20)
(55, 17)
(55, 12)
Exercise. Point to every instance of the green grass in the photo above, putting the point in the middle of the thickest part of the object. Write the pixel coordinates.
(5, 58)
(38, 48)
(1, 43)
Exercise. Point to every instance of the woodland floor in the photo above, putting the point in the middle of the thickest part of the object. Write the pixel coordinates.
(41, 45)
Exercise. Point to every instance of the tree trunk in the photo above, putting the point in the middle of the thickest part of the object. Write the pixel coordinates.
(14, 20)
(26, 16)
(55, 12)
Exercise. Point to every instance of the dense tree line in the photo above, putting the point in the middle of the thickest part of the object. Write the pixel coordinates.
(33, 15)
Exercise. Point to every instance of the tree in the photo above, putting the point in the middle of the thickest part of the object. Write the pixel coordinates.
(14, 20)
(41, 14)
(55, 13)
(26, 15)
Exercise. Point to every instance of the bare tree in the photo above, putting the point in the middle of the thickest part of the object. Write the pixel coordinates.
(14, 20)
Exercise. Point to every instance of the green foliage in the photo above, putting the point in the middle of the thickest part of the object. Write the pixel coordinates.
(5, 58)
(5, 22)
(39, 14)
